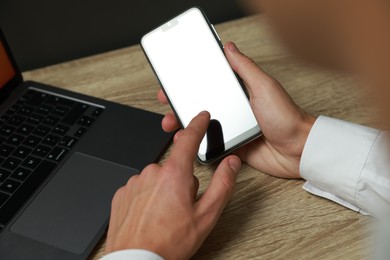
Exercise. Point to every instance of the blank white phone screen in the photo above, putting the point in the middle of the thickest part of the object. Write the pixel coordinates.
(196, 76)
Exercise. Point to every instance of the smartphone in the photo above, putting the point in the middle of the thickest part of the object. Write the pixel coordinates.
(187, 57)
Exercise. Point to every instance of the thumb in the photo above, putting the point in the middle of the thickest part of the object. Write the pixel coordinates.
(252, 75)
(218, 193)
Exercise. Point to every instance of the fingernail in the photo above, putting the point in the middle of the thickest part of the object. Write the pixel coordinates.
(204, 112)
(232, 47)
(235, 164)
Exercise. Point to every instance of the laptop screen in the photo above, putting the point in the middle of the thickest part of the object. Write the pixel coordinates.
(7, 71)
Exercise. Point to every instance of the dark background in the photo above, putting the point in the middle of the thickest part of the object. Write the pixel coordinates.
(45, 32)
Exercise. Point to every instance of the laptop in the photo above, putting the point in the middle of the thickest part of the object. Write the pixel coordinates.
(63, 155)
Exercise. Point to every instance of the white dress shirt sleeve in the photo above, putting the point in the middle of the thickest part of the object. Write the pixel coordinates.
(349, 164)
(128, 254)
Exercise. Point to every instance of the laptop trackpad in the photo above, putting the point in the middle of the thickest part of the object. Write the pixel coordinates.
(75, 205)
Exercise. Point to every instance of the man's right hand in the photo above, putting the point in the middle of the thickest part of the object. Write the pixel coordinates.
(285, 125)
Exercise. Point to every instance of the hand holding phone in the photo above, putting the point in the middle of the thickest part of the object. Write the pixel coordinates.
(188, 59)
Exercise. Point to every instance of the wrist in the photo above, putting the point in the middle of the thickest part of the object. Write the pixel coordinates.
(305, 128)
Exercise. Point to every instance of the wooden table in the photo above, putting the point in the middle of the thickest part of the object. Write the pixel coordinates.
(267, 218)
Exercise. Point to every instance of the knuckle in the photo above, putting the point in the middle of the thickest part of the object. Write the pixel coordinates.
(132, 180)
(151, 168)
(117, 196)
(192, 131)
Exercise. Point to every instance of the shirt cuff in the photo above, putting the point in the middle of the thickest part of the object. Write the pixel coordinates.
(333, 159)
(138, 254)
(327, 195)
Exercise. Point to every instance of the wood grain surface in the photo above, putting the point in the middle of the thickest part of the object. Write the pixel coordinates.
(267, 217)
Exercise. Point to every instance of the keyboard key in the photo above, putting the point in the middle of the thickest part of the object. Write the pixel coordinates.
(44, 110)
(6, 150)
(4, 119)
(3, 198)
(74, 114)
(31, 162)
(80, 131)
(21, 152)
(25, 190)
(51, 140)
(67, 141)
(9, 186)
(51, 120)
(57, 154)
(41, 130)
(66, 102)
(60, 130)
(11, 163)
(37, 99)
(26, 110)
(55, 100)
(86, 121)
(41, 151)
(12, 109)
(4, 175)
(29, 93)
(52, 100)
(32, 141)
(25, 129)
(16, 120)
(7, 130)
(97, 112)
(60, 111)
(34, 119)
(22, 100)
(15, 139)
(21, 174)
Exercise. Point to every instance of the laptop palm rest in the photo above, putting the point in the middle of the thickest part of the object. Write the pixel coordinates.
(75, 205)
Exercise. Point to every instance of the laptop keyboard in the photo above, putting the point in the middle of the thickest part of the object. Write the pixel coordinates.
(35, 135)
